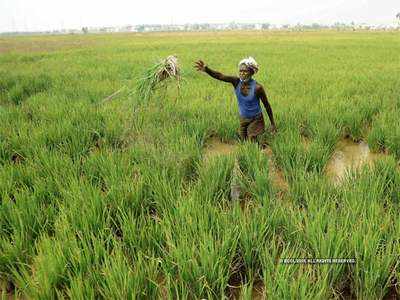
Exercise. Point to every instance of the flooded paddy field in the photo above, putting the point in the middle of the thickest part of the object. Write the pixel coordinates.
(160, 199)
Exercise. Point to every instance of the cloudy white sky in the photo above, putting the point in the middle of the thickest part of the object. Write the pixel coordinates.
(33, 15)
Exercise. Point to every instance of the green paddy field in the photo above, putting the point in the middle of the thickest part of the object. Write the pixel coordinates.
(131, 199)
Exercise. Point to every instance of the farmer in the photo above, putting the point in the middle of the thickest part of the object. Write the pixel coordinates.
(248, 93)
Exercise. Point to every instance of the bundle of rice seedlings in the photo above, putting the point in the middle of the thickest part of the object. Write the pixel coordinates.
(156, 76)
(153, 78)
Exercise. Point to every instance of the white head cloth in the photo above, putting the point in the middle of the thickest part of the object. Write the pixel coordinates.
(250, 62)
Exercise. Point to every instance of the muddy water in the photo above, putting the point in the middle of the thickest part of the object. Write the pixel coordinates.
(215, 147)
(347, 156)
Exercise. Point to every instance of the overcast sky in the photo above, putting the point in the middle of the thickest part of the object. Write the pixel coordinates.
(33, 15)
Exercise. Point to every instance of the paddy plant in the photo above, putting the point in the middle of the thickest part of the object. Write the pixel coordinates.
(18, 89)
(197, 264)
(384, 137)
(129, 280)
(256, 169)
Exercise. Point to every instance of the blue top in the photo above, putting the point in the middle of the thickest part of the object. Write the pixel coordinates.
(249, 106)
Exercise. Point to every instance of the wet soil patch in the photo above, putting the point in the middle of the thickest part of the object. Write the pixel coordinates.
(276, 175)
(215, 147)
(239, 280)
(349, 156)
(392, 293)
(346, 292)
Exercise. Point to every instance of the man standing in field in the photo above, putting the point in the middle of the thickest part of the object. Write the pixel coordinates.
(248, 93)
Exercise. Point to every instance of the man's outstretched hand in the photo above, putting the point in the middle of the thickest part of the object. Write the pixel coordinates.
(200, 66)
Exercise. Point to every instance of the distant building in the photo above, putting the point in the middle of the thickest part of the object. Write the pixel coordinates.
(214, 26)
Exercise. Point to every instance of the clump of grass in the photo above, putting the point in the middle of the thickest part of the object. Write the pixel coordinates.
(156, 76)
(21, 88)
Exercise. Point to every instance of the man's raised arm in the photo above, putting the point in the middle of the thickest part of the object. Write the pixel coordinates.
(201, 66)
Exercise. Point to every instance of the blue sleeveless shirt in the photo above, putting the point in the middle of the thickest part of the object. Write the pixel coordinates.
(249, 106)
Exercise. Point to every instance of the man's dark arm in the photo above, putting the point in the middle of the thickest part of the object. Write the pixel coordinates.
(217, 75)
(264, 99)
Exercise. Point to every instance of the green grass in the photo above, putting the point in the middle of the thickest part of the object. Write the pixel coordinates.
(116, 199)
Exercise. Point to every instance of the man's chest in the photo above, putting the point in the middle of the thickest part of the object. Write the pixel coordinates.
(245, 89)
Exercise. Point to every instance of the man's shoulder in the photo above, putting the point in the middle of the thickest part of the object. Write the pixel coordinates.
(259, 87)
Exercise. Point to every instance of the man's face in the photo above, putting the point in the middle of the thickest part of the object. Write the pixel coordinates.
(244, 73)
